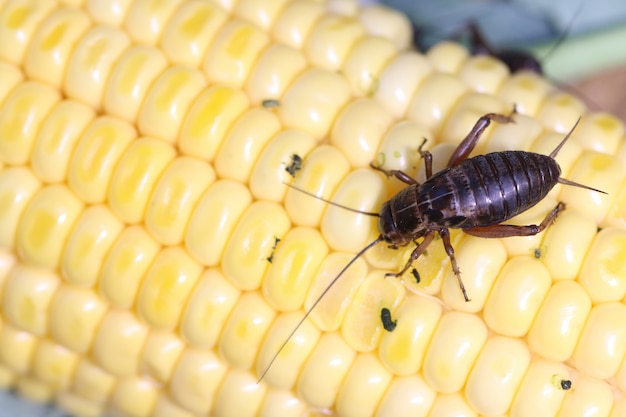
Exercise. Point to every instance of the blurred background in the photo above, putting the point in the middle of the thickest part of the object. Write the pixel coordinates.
(580, 44)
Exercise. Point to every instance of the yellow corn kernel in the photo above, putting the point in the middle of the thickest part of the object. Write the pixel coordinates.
(527, 90)
(18, 21)
(480, 260)
(358, 130)
(294, 23)
(361, 70)
(594, 170)
(160, 355)
(56, 139)
(600, 132)
(16, 348)
(540, 393)
(54, 365)
(403, 349)
(252, 242)
(243, 144)
(590, 396)
(364, 386)
(145, 20)
(90, 64)
(232, 54)
(447, 57)
(209, 119)
(407, 395)
(97, 152)
(22, 113)
(213, 220)
(11, 76)
(346, 231)
(399, 79)
(190, 31)
(603, 275)
(51, 46)
(435, 97)
(196, 379)
(131, 79)
(247, 325)
(484, 73)
(272, 167)
(293, 356)
(75, 314)
(361, 326)
(330, 40)
(268, 80)
(92, 383)
(118, 343)
(602, 345)
(516, 296)
(166, 287)
(239, 395)
(27, 295)
(76, 404)
(165, 407)
(262, 13)
(559, 322)
(453, 349)
(451, 405)
(564, 256)
(136, 175)
(134, 397)
(329, 313)
(174, 198)
(281, 403)
(17, 186)
(167, 101)
(496, 375)
(209, 306)
(125, 266)
(326, 166)
(45, 224)
(90, 239)
(293, 264)
(34, 390)
(313, 100)
(510, 136)
(325, 370)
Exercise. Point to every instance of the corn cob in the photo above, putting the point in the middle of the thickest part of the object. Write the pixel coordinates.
(143, 148)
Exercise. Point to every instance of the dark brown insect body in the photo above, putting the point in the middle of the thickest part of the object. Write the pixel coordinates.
(473, 194)
(480, 191)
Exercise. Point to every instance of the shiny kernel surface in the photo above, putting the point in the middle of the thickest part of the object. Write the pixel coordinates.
(153, 259)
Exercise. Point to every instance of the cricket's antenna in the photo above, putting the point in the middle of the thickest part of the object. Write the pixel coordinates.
(332, 203)
(308, 313)
(560, 145)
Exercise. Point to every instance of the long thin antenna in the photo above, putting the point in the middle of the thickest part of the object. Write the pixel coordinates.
(308, 313)
(560, 145)
(332, 203)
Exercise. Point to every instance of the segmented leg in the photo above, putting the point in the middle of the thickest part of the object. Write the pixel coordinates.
(445, 237)
(417, 252)
(467, 145)
(403, 176)
(428, 159)
(509, 230)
